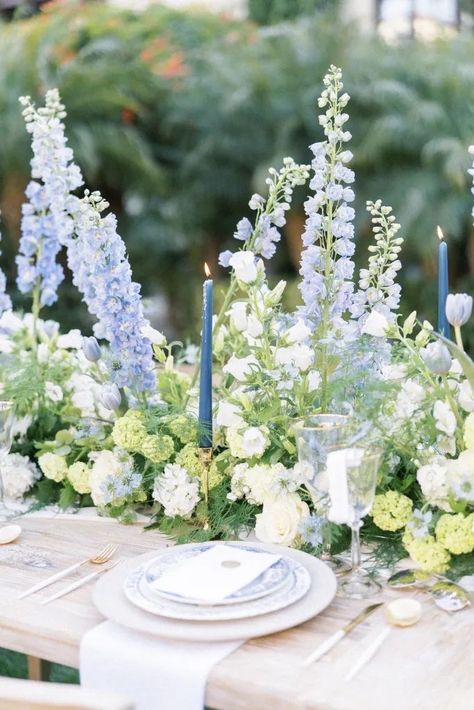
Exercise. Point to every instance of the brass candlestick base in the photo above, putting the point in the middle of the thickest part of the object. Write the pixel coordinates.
(205, 456)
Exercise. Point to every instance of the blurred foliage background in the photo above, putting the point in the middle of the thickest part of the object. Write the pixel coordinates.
(176, 116)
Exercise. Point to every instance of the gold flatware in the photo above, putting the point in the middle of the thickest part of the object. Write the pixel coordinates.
(335, 638)
(79, 583)
(100, 558)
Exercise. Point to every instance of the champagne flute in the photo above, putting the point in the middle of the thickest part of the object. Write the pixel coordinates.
(317, 435)
(359, 467)
(6, 437)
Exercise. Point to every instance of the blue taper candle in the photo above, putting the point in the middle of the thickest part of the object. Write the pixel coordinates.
(205, 381)
(443, 284)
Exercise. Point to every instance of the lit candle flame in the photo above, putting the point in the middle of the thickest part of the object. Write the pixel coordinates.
(207, 270)
(439, 232)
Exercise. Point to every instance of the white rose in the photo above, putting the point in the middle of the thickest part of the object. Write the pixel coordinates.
(238, 315)
(466, 396)
(376, 325)
(240, 367)
(73, 339)
(244, 265)
(298, 332)
(53, 392)
(254, 441)
(444, 417)
(278, 522)
(228, 415)
(153, 335)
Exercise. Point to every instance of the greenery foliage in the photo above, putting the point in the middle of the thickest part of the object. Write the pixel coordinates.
(160, 104)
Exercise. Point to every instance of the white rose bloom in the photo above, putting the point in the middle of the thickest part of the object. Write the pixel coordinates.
(228, 414)
(466, 396)
(238, 315)
(73, 339)
(432, 478)
(254, 441)
(278, 522)
(245, 266)
(314, 380)
(18, 475)
(240, 367)
(53, 392)
(376, 325)
(153, 335)
(298, 332)
(444, 418)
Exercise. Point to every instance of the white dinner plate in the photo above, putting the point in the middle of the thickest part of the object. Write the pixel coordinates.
(296, 586)
(271, 579)
(112, 603)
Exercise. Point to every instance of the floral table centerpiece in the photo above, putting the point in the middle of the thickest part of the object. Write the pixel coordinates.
(110, 420)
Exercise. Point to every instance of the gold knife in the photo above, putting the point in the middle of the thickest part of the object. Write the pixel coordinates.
(335, 638)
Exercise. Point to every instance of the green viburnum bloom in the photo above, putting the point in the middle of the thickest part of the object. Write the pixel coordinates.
(391, 510)
(455, 533)
(183, 428)
(53, 466)
(129, 431)
(157, 448)
(429, 554)
(79, 476)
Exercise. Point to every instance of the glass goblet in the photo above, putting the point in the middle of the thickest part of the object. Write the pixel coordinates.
(361, 468)
(6, 409)
(318, 435)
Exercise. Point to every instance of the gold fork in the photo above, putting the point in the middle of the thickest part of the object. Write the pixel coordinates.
(100, 558)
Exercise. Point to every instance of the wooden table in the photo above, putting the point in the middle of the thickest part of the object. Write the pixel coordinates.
(426, 667)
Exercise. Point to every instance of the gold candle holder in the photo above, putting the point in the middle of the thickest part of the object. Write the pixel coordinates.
(205, 456)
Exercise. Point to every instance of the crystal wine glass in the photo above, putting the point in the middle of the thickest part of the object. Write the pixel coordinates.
(6, 409)
(318, 435)
(361, 468)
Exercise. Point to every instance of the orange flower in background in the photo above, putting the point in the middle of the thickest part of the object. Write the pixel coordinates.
(173, 67)
(64, 54)
(128, 115)
(149, 52)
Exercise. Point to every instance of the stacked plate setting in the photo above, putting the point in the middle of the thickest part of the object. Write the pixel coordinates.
(283, 583)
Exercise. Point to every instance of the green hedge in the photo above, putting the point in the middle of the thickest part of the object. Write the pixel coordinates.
(175, 117)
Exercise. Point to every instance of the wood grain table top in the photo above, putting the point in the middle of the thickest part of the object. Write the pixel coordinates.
(426, 667)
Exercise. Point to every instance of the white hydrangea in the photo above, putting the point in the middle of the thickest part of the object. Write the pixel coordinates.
(177, 492)
(18, 475)
(432, 478)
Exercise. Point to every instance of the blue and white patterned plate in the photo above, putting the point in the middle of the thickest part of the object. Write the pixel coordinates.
(296, 586)
(268, 582)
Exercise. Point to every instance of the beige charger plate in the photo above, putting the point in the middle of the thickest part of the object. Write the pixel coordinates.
(110, 600)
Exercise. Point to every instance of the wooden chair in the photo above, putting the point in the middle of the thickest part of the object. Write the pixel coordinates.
(34, 695)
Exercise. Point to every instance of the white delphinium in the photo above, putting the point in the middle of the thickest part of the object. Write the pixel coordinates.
(177, 492)
(18, 475)
(377, 288)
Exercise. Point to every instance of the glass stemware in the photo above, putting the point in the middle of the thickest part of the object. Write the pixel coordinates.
(5, 444)
(317, 436)
(361, 468)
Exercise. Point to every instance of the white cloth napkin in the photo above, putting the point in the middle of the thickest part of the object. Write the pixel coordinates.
(216, 573)
(157, 674)
(336, 467)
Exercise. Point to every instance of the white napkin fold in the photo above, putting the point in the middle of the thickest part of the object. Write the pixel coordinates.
(336, 468)
(216, 573)
(157, 674)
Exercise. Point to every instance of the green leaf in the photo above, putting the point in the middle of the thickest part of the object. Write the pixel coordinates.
(67, 496)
